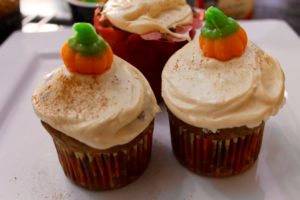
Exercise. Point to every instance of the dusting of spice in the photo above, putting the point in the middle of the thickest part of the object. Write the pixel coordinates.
(86, 53)
(221, 37)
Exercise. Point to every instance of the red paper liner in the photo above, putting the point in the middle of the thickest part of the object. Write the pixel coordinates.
(104, 169)
(228, 152)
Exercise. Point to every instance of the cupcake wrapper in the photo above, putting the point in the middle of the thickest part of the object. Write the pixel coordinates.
(215, 154)
(108, 169)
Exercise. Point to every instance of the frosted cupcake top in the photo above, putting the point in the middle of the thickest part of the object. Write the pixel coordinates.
(209, 93)
(140, 16)
(101, 111)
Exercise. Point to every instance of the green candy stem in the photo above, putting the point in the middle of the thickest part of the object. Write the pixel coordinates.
(217, 24)
(86, 41)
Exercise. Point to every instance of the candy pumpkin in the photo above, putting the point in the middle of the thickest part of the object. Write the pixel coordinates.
(86, 53)
(221, 37)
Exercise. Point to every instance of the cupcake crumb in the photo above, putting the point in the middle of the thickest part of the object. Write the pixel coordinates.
(205, 130)
(141, 116)
(59, 196)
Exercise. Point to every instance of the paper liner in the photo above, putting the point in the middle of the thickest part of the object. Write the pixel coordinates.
(228, 152)
(105, 169)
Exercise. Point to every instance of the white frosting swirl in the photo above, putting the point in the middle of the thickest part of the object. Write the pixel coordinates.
(100, 111)
(140, 16)
(208, 93)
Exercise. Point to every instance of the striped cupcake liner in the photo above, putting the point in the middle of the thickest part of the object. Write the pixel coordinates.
(225, 153)
(108, 169)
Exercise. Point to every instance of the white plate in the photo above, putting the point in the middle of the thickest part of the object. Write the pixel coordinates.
(30, 170)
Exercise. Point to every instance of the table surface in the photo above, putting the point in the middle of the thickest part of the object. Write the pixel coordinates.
(288, 10)
(31, 170)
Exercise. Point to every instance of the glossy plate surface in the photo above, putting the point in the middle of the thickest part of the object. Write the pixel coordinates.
(30, 170)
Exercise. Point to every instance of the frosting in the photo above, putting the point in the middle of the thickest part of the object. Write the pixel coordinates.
(140, 16)
(100, 111)
(208, 93)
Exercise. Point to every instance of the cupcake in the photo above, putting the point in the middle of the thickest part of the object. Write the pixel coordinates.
(220, 90)
(99, 111)
(147, 33)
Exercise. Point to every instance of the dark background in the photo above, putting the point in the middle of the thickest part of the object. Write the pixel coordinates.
(288, 10)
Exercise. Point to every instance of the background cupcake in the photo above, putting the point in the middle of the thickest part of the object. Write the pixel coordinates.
(219, 91)
(83, 10)
(147, 33)
(99, 111)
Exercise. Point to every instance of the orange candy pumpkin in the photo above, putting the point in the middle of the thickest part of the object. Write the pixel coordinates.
(224, 48)
(221, 36)
(86, 53)
(86, 64)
